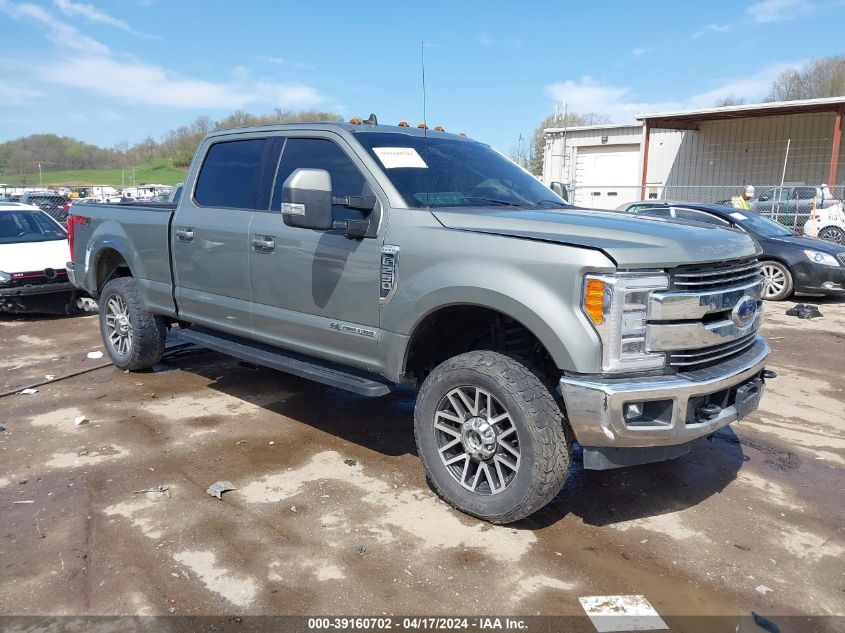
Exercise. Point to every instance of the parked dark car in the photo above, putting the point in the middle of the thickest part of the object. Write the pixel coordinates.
(53, 204)
(791, 263)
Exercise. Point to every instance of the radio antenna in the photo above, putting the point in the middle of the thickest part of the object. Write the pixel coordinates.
(422, 66)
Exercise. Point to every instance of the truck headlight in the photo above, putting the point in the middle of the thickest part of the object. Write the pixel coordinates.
(617, 306)
(5, 277)
(821, 258)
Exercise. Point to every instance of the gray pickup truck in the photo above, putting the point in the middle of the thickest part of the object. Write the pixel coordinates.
(366, 256)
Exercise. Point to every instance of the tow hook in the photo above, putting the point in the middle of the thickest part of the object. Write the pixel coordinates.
(769, 373)
(708, 411)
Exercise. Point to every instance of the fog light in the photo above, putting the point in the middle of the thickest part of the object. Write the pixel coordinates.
(828, 284)
(633, 410)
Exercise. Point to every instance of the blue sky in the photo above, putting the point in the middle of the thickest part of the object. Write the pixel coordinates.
(108, 72)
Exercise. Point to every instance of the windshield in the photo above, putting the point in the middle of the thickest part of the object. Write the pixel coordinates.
(28, 226)
(444, 172)
(760, 225)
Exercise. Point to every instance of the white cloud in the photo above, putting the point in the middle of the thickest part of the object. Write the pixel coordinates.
(621, 104)
(486, 39)
(16, 95)
(588, 95)
(778, 10)
(711, 28)
(139, 82)
(639, 52)
(281, 61)
(57, 31)
(85, 63)
(91, 13)
(751, 88)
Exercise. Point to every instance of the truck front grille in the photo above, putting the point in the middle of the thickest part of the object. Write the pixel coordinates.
(37, 278)
(700, 277)
(685, 360)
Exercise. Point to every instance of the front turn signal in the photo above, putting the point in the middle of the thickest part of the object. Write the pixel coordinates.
(594, 300)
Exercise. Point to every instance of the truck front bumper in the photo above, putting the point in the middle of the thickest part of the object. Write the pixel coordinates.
(674, 410)
(51, 298)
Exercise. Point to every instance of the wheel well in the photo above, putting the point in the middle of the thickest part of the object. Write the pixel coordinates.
(110, 265)
(458, 329)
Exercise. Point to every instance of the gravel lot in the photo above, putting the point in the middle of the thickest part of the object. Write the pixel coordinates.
(332, 513)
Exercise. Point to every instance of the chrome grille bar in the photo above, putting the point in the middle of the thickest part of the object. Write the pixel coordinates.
(687, 359)
(715, 276)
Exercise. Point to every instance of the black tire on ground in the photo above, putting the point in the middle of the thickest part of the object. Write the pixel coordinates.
(833, 234)
(778, 284)
(540, 428)
(148, 331)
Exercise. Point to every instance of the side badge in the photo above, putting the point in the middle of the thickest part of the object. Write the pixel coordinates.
(389, 273)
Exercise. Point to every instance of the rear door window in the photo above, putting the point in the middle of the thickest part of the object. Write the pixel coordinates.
(699, 216)
(231, 174)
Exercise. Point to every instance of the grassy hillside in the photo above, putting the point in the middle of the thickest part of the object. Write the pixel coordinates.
(161, 172)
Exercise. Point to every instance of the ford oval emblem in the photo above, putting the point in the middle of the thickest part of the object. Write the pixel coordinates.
(744, 311)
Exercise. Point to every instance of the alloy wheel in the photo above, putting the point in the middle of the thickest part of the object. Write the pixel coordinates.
(477, 440)
(774, 281)
(118, 325)
(833, 234)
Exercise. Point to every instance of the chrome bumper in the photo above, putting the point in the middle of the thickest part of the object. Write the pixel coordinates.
(594, 406)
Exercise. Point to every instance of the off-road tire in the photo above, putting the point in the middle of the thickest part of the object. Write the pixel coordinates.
(833, 234)
(788, 283)
(148, 330)
(543, 435)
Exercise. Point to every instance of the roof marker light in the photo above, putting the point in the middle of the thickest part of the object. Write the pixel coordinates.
(403, 124)
(439, 128)
(355, 121)
(422, 126)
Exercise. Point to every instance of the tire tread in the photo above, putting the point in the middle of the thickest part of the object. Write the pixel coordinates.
(546, 425)
(149, 330)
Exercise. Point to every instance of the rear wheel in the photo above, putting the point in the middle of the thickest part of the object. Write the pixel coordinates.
(833, 234)
(777, 282)
(491, 437)
(133, 337)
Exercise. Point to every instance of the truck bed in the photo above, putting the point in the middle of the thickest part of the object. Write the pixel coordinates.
(137, 232)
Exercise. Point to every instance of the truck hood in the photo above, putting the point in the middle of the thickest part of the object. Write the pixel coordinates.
(630, 241)
(27, 257)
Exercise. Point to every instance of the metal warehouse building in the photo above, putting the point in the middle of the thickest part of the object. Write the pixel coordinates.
(703, 155)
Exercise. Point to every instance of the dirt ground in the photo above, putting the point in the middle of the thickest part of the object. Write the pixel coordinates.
(332, 513)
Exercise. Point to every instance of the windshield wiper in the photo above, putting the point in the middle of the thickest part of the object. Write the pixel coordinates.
(555, 202)
(505, 203)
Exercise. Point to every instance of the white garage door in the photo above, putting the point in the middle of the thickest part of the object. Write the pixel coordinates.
(607, 176)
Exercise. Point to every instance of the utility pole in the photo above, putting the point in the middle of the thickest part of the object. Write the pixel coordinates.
(40, 176)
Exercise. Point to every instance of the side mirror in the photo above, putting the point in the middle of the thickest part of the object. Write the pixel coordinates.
(307, 199)
(560, 189)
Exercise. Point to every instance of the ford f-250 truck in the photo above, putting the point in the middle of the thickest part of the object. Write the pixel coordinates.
(366, 256)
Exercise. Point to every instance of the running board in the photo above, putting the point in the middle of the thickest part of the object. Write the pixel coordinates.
(289, 362)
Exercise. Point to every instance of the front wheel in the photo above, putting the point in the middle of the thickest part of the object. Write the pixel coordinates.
(491, 437)
(833, 234)
(133, 337)
(777, 281)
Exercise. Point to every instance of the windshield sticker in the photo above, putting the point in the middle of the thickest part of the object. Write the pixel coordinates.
(738, 216)
(393, 157)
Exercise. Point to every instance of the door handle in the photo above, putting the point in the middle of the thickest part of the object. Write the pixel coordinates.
(185, 234)
(264, 244)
